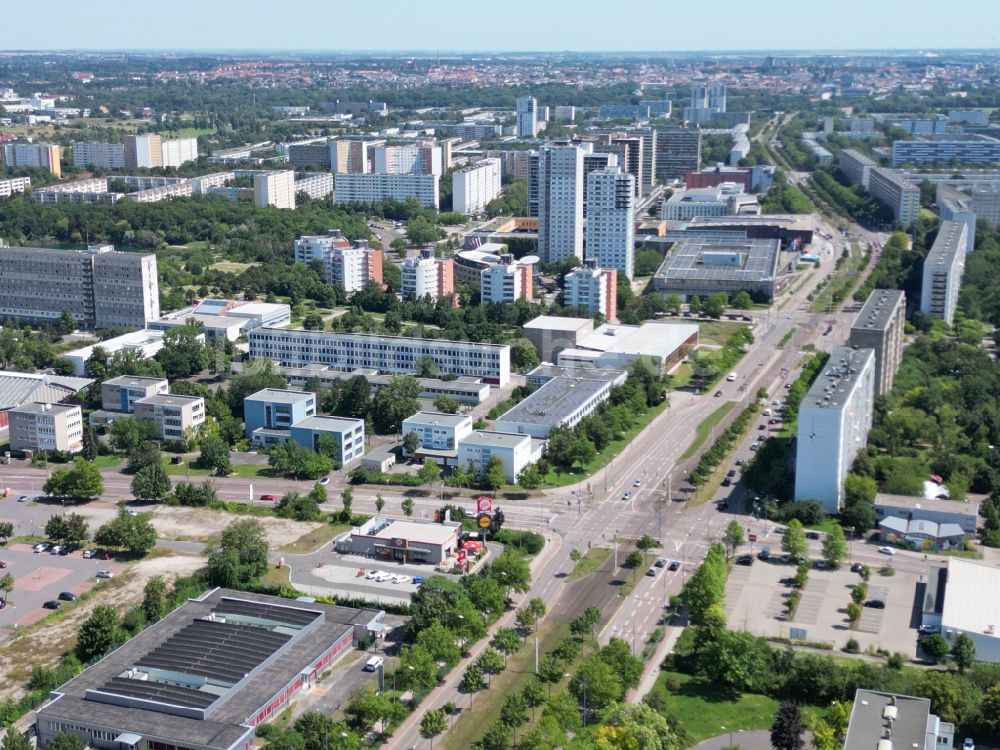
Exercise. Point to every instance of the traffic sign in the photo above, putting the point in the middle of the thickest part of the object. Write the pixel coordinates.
(484, 504)
(752, 537)
(484, 521)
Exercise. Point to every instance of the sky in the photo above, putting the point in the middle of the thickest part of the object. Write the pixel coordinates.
(504, 25)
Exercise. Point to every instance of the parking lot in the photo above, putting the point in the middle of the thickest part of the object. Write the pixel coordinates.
(41, 577)
(756, 596)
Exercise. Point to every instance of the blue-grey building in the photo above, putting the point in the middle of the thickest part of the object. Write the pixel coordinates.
(349, 434)
(277, 409)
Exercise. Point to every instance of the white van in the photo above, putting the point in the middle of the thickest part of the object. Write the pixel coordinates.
(374, 663)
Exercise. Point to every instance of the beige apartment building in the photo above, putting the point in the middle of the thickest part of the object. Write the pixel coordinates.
(46, 427)
(173, 415)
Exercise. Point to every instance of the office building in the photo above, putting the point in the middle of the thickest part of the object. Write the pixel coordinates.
(593, 289)
(346, 265)
(475, 186)
(678, 151)
(175, 417)
(564, 113)
(879, 327)
(726, 199)
(121, 393)
(316, 156)
(954, 205)
(978, 117)
(834, 420)
(348, 433)
(274, 189)
(417, 158)
(610, 232)
(649, 146)
(882, 721)
(513, 451)
(98, 155)
(943, 270)
(32, 156)
(372, 188)
(180, 151)
(937, 125)
(898, 193)
(439, 433)
(46, 427)
(101, 288)
(959, 600)
(277, 409)
(527, 117)
(953, 150)
(13, 185)
(206, 674)
(615, 347)
(561, 402)
(143, 151)
(506, 282)
(559, 191)
(756, 179)
(388, 354)
(427, 276)
(409, 541)
(856, 167)
(315, 186)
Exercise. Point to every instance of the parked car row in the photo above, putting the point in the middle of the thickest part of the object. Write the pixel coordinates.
(384, 576)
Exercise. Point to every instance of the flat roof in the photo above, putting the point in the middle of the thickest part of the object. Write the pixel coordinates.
(648, 339)
(838, 378)
(405, 340)
(557, 371)
(280, 395)
(793, 222)
(967, 605)
(125, 380)
(335, 424)
(169, 399)
(869, 720)
(497, 439)
(429, 533)
(195, 676)
(756, 260)
(437, 417)
(965, 508)
(879, 309)
(41, 408)
(947, 244)
(555, 401)
(557, 323)
(258, 308)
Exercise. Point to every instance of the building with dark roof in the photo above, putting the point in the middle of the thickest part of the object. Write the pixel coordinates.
(883, 721)
(879, 326)
(204, 676)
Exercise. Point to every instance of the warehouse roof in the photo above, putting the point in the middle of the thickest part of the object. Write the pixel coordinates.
(555, 402)
(17, 388)
(965, 606)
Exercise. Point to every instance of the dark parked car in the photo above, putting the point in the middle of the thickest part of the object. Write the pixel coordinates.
(856, 568)
(67, 596)
(731, 473)
(718, 393)
(744, 560)
(674, 565)
(875, 604)
(812, 535)
(727, 482)
(52, 604)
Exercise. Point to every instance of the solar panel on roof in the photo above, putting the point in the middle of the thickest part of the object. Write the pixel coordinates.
(157, 691)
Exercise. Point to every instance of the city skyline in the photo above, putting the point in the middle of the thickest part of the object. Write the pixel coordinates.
(774, 25)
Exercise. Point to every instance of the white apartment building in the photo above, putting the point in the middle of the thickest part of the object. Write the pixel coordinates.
(416, 158)
(475, 186)
(943, 270)
(274, 189)
(143, 151)
(101, 288)
(427, 276)
(901, 195)
(173, 415)
(559, 194)
(143, 342)
(372, 188)
(479, 446)
(610, 236)
(594, 289)
(179, 151)
(505, 282)
(348, 266)
(32, 155)
(438, 431)
(388, 354)
(527, 117)
(46, 427)
(315, 186)
(13, 185)
(99, 155)
(834, 420)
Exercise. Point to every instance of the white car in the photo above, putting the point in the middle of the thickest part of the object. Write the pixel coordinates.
(42, 547)
(324, 480)
(400, 578)
(381, 577)
(887, 550)
(105, 574)
(969, 744)
(89, 553)
(372, 573)
(56, 549)
(731, 377)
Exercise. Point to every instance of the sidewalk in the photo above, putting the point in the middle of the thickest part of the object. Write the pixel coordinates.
(652, 669)
(407, 734)
(754, 739)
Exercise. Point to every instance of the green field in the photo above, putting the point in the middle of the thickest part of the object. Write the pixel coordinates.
(705, 429)
(188, 468)
(591, 561)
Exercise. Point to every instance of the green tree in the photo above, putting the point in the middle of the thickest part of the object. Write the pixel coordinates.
(472, 679)
(134, 534)
(14, 740)
(742, 301)
(432, 723)
(394, 402)
(440, 643)
(507, 642)
(834, 547)
(490, 662)
(379, 504)
(151, 483)
(627, 726)
(411, 442)
(935, 646)
(81, 481)
(215, 455)
(346, 501)
(407, 507)
(511, 570)
(298, 507)
(446, 404)
(531, 478)
(241, 555)
(786, 730)
(67, 528)
(633, 559)
(853, 613)
(963, 652)
(6, 529)
(734, 536)
(147, 453)
(6, 584)
(943, 691)
(98, 634)
(794, 541)
(154, 602)
(494, 476)
(65, 741)
(430, 472)
(989, 708)
(128, 433)
(596, 684)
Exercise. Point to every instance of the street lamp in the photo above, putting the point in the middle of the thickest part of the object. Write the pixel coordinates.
(584, 681)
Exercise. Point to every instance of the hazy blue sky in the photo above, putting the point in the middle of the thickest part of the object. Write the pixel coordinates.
(547, 25)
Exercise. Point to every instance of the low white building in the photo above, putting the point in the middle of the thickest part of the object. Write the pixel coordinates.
(616, 346)
(726, 199)
(970, 605)
(438, 431)
(561, 402)
(514, 451)
(145, 343)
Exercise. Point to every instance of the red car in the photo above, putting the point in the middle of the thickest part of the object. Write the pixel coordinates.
(269, 498)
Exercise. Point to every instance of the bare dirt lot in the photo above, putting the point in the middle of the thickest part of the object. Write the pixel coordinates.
(194, 524)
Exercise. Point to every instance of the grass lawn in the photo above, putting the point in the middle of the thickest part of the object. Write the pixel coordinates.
(634, 575)
(188, 468)
(108, 462)
(841, 283)
(706, 427)
(315, 539)
(590, 562)
(716, 331)
(786, 338)
(231, 266)
(612, 449)
(276, 576)
(486, 704)
(681, 377)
